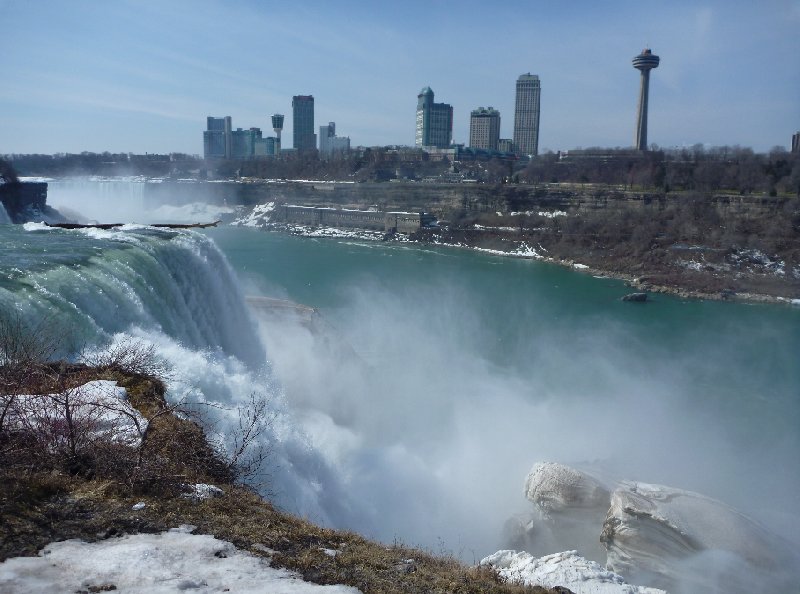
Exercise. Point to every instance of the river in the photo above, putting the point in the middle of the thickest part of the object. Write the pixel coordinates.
(413, 403)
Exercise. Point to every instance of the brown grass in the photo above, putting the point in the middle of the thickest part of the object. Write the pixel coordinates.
(42, 505)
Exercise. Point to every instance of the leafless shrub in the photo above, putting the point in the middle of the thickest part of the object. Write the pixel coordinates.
(132, 356)
(53, 418)
(247, 449)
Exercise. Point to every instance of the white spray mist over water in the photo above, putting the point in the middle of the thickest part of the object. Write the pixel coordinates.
(4, 218)
(123, 200)
(433, 438)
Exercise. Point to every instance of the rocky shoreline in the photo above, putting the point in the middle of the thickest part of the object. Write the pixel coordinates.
(684, 283)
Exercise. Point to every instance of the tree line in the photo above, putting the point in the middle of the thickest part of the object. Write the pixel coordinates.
(724, 169)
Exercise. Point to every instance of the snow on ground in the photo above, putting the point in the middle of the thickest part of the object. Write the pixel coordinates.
(523, 251)
(258, 217)
(542, 213)
(565, 569)
(504, 229)
(101, 407)
(336, 232)
(172, 561)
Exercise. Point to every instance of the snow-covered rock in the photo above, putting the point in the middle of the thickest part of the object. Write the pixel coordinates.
(569, 509)
(565, 569)
(554, 487)
(651, 531)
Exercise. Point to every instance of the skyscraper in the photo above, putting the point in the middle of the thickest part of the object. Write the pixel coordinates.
(526, 115)
(434, 121)
(329, 143)
(303, 136)
(217, 138)
(796, 142)
(484, 128)
(644, 62)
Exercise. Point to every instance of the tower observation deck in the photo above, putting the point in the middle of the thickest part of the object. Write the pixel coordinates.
(644, 62)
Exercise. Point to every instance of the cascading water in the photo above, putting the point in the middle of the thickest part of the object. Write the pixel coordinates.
(175, 290)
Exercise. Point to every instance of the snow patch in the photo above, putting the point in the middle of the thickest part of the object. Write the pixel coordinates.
(201, 491)
(172, 561)
(565, 569)
(99, 407)
(258, 217)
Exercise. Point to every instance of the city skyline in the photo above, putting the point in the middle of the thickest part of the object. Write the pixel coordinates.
(138, 76)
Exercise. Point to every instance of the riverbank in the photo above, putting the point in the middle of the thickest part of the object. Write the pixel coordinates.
(746, 275)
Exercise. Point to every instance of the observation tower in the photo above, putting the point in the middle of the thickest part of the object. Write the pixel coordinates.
(644, 62)
(277, 125)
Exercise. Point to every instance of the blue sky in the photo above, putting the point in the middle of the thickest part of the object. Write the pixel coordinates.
(141, 76)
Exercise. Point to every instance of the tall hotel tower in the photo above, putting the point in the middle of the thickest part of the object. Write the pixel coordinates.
(484, 128)
(644, 62)
(434, 121)
(218, 138)
(303, 136)
(526, 115)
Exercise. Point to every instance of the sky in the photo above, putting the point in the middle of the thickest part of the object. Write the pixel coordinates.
(142, 76)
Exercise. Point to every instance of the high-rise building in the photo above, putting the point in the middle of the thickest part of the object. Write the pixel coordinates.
(245, 142)
(644, 62)
(526, 115)
(217, 138)
(329, 143)
(434, 121)
(303, 136)
(796, 142)
(505, 145)
(484, 128)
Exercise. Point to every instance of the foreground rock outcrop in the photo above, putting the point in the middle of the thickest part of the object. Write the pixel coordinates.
(647, 534)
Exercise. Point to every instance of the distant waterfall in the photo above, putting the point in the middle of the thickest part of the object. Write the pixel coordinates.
(99, 199)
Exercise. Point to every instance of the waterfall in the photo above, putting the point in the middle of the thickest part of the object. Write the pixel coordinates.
(176, 291)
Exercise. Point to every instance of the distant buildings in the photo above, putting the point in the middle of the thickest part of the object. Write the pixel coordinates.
(246, 143)
(218, 138)
(526, 115)
(644, 62)
(505, 145)
(434, 121)
(329, 143)
(303, 136)
(484, 128)
(221, 142)
(796, 142)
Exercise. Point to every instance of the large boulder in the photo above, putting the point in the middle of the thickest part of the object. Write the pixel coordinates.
(653, 534)
(569, 508)
(556, 488)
